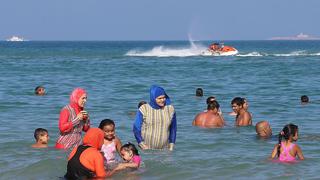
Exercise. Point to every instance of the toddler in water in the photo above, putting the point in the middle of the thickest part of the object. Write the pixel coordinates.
(131, 156)
(286, 150)
(111, 142)
(42, 137)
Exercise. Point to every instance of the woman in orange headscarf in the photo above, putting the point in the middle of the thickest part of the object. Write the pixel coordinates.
(73, 120)
(86, 160)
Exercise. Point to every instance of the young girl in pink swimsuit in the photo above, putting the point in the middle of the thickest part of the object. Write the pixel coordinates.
(112, 143)
(131, 158)
(286, 150)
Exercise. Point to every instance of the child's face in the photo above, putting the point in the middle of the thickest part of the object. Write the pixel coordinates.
(109, 132)
(44, 138)
(126, 155)
(41, 91)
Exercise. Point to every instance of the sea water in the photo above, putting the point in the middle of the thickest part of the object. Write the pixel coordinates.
(272, 75)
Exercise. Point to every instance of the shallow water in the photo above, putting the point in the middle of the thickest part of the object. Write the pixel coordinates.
(272, 75)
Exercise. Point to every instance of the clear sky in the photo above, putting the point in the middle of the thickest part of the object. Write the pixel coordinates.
(158, 20)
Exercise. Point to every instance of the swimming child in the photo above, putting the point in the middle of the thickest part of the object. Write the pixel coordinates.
(199, 92)
(42, 137)
(112, 143)
(131, 156)
(40, 91)
(286, 150)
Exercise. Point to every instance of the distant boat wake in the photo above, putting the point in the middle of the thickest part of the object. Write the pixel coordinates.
(197, 50)
(161, 51)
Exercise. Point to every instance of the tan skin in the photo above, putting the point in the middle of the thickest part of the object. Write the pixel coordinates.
(209, 119)
(42, 141)
(243, 117)
(295, 151)
(263, 129)
(109, 137)
(41, 92)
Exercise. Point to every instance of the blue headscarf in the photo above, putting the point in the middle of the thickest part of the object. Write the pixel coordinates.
(156, 91)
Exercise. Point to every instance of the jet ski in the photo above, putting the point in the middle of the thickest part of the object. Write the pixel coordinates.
(217, 49)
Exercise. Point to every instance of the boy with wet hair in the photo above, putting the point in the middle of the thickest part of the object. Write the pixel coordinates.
(243, 117)
(42, 138)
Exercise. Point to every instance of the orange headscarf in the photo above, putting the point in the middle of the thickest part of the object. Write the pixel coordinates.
(75, 96)
(94, 138)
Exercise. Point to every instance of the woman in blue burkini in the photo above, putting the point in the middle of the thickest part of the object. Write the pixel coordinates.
(155, 126)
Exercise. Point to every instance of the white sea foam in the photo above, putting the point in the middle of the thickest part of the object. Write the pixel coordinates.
(161, 51)
(294, 53)
(251, 54)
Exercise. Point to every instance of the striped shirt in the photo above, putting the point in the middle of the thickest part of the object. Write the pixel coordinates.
(155, 127)
(73, 138)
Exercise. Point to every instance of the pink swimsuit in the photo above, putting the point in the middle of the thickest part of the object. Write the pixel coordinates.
(136, 159)
(109, 152)
(285, 156)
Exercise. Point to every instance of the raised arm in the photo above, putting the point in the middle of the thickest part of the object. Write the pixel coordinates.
(64, 124)
(86, 125)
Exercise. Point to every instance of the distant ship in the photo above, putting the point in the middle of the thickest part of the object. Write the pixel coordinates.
(15, 38)
(300, 36)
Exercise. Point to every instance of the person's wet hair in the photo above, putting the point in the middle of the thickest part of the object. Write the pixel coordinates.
(199, 92)
(210, 99)
(106, 122)
(39, 132)
(288, 131)
(130, 147)
(212, 105)
(304, 99)
(238, 101)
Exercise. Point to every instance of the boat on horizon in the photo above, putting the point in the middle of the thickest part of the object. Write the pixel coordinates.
(15, 39)
(300, 36)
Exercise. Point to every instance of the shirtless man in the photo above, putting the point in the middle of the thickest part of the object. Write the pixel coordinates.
(210, 118)
(243, 117)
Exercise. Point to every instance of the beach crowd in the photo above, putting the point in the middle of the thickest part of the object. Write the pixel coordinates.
(155, 126)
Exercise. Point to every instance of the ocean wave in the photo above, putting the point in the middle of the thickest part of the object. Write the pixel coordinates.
(201, 50)
(294, 53)
(161, 51)
(251, 54)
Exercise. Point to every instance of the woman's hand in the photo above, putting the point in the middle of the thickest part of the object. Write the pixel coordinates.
(83, 115)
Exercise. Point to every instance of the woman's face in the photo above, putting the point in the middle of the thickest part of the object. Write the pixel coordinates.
(82, 100)
(161, 100)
